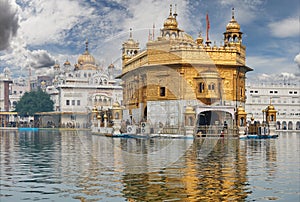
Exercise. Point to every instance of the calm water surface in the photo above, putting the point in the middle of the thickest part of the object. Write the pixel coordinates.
(77, 166)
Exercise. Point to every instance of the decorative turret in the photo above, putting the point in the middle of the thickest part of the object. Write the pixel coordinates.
(170, 29)
(130, 48)
(111, 71)
(56, 67)
(199, 40)
(67, 66)
(117, 116)
(270, 113)
(117, 112)
(190, 116)
(233, 33)
(190, 120)
(241, 116)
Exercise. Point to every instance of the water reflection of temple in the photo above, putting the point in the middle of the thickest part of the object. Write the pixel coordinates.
(221, 176)
(89, 167)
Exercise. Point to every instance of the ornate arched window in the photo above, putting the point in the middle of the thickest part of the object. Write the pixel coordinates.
(201, 87)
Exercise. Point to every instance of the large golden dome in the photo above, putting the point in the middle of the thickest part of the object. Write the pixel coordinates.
(86, 57)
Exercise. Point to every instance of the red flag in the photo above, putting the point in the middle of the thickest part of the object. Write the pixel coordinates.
(207, 21)
(207, 27)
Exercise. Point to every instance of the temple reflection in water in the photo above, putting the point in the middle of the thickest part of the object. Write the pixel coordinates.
(89, 167)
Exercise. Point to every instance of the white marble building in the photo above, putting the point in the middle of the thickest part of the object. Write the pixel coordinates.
(78, 89)
(285, 98)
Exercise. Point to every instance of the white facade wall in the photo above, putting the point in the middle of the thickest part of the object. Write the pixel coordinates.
(284, 97)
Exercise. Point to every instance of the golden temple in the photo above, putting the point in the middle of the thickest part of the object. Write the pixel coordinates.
(175, 67)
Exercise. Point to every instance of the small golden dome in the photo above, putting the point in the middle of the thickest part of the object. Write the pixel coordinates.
(233, 25)
(199, 40)
(189, 110)
(241, 109)
(116, 104)
(111, 66)
(94, 110)
(271, 107)
(67, 63)
(171, 22)
(98, 116)
(56, 66)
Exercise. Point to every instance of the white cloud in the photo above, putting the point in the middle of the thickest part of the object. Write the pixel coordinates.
(276, 78)
(141, 20)
(245, 10)
(20, 58)
(45, 21)
(268, 65)
(288, 27)
(297, 60)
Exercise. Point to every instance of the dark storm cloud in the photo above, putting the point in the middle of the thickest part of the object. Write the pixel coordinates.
(8, 23)
(41, 58)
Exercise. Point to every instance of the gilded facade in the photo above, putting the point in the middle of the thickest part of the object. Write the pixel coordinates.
(177, 70)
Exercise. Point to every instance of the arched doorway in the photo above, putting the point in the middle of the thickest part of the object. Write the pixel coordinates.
(278, 124)
(284, 125)
(298, 125)
(218, 120)
(290, 125)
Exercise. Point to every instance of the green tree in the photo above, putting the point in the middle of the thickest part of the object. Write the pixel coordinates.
(34, 101)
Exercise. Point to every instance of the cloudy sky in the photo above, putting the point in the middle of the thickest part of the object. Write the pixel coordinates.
(38, 33)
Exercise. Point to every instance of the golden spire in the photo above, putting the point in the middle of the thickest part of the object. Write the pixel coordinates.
(175, 13)
(170, 9)
(232, 13)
